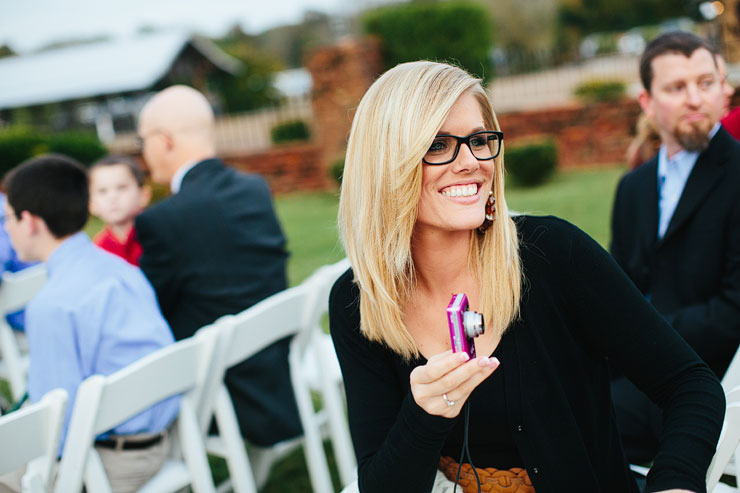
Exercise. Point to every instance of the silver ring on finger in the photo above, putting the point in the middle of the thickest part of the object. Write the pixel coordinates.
(447, 401)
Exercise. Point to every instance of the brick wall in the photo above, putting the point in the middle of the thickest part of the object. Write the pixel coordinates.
(588, 135)
(341, 74)
(286, 168)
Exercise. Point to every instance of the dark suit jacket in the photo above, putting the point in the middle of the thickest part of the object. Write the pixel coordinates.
(692, 275)
(216, 248)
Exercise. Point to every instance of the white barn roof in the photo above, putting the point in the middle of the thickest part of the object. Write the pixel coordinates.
(90, 70)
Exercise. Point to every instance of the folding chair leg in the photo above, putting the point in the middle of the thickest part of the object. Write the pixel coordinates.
(192, 440)
(340, 438)
(318, 468)
(240, 470)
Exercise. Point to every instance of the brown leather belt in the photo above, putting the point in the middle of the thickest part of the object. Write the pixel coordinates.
(514, 480)
(124, 442)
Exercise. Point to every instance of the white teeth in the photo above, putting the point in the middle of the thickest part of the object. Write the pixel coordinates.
(460, 191)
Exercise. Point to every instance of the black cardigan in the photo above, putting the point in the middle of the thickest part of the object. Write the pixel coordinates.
(578, 310)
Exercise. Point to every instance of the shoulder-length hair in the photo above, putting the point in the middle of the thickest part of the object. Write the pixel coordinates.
(395, 123)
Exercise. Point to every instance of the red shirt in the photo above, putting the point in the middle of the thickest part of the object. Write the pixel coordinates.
(130, 250)
(731, 122)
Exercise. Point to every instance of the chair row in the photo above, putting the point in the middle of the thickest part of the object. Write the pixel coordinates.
(16, 290)
(195, 368)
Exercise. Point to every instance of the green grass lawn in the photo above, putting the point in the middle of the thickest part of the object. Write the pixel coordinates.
(583, 197)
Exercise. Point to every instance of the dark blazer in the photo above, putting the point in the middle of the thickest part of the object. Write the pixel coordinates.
(216, 248)
(692, 275)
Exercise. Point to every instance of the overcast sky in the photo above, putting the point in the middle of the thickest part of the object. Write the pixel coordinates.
(28, 24)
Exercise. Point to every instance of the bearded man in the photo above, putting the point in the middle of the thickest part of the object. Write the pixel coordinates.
(676, 221)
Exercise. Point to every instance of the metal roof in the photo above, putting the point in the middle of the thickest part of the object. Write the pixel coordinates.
(108, 67)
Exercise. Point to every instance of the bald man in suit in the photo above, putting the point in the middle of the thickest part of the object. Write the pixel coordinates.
(214, 248)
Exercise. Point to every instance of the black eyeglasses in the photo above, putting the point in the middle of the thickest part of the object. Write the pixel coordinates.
(444, 149)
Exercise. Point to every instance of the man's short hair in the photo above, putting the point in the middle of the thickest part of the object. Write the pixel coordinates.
(681, 42)
(53, 187)
(130, 163)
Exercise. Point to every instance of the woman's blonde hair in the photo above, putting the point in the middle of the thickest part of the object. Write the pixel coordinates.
(393, 127)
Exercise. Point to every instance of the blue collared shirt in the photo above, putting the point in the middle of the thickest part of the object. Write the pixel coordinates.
(673, 174)
(95, 315)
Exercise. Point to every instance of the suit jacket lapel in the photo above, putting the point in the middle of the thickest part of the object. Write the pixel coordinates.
(707, 172)
(647, 193)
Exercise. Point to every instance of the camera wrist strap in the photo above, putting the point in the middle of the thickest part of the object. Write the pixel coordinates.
(465, 449)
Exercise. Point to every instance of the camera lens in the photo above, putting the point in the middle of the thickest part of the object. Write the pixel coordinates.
(473, 323)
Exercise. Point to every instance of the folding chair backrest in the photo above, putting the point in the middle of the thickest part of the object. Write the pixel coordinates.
(321, 282)
(330, 382)
(265, 323)
(172, 370)
(105, 401)
(32, 434)
(18, 288)
(731, 378)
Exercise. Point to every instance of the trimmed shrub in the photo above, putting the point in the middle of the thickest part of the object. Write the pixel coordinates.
(82, 146)
(20, 142)
(290, 131)
(458, 32)
(336, 170)
(600, 90)
(531, 164)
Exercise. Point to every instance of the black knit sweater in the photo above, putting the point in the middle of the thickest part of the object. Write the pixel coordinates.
(578, 310)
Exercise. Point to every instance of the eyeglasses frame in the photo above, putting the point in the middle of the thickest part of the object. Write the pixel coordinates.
(466, 140)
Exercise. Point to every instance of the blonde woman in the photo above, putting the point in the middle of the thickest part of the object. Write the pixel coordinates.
(422, 215)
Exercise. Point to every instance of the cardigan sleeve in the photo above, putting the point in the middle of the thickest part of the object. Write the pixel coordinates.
(616, 320)
(396, 442)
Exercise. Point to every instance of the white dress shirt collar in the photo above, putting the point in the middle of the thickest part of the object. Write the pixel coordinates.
(177, 178)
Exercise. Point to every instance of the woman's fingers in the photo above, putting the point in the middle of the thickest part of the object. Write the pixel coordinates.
(464, 389)
(448, 374)
(438, 366)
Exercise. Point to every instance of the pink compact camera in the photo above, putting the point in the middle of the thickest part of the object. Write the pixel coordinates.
(464, 324)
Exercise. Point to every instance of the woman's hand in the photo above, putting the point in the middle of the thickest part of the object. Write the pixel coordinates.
(442, 386)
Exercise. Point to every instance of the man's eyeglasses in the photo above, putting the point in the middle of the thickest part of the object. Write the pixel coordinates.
(141, 139)
(444, 149)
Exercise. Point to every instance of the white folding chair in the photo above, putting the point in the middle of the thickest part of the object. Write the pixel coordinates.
(33, 435)
(242, 336)
(329, 379)
(105, 401)
(730, 381)
(16, 290)
(728, 440)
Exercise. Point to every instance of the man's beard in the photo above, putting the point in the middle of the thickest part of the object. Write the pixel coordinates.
(694, 136)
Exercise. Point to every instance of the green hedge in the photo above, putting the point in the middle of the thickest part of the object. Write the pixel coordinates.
(290, 131)
(600, 90)
(82, 146)
(336, 170)
(19, 142)
(457, 31)
(531, 164)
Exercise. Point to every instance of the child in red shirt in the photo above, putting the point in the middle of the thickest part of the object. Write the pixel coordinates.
(117, 194)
